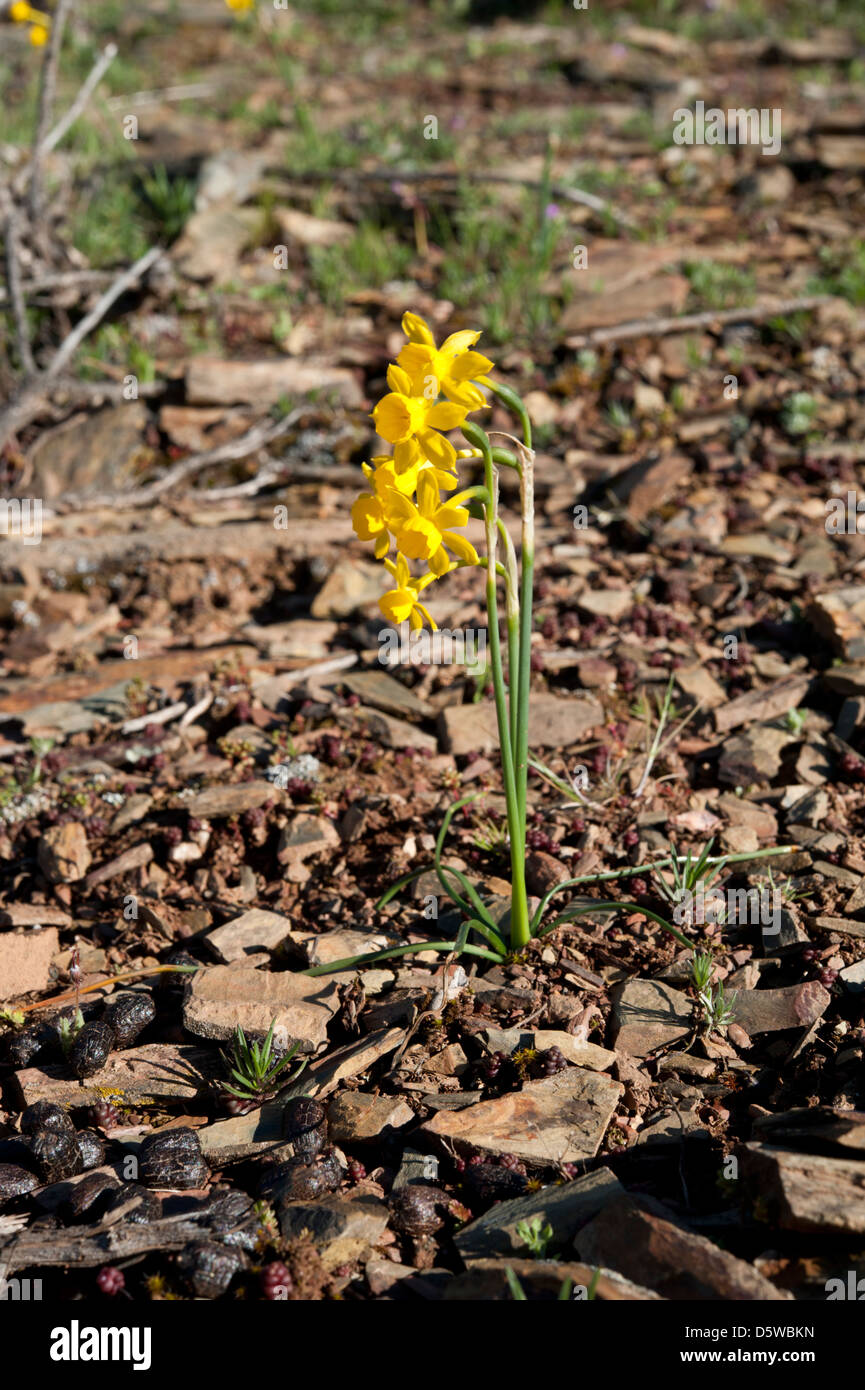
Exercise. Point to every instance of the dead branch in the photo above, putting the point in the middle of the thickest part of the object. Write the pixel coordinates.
(754, 313)
(100, 67)
(13, 279)
(45, 110)
(29, 402)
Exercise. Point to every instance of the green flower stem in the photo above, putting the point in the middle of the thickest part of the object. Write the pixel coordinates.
(513, 622)
(520, 933)
(526, 595)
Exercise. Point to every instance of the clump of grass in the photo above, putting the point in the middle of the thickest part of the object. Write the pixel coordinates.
(255, 1071)
(372, 257)
(718, 286)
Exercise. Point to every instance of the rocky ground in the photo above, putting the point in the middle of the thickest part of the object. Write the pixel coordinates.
(203, 762)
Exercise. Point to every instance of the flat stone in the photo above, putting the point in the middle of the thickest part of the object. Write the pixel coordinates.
(845, 680)
(356, 1116)
(810, 809)
(223, 998)
(306, 837)
(701, 685)
(487, 1280)
(854, 977)
(638, 1242)
(648, 1014)
(553, 723)
(383, 692)
(210, 381)
(840, 924)
(214, 803)
(211, 245)
(415, 1167)
(581, 1054)
(303, 639)
(252, 931)
(134, 809)
(323, 1076)
(154, 1072)
(559, 1120)
(753, 756)
(351, 584)
(739, 839)
(774, 1010)
(804, 1192)
(759, 545)
(686, 1064)
(135, 858)
(342, 943)
(394, 733)
(566, 1207)
(63, 853)
(740, 811)
(25, 961)
(243, 1136)
(342, 1229)
(606, 603)
(762, 705)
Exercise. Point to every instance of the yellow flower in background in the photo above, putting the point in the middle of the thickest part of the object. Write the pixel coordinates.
(22, 13)
(402, 602)
(240, 5)
(448, 369)
(423, 531)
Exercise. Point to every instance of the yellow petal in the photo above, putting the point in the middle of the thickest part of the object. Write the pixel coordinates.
(392, 418)
(417, 329)
(397, 604)
(427, 492)
(447, 517)
(406, 455)
(470, 364)
(421, 608)
(367, 517)
(459, 342)
(398, 380)
(419, 538)
(440, 562)
(445, 416)
(465, 393)
(416, 359)
(438, 450)
(461, 548)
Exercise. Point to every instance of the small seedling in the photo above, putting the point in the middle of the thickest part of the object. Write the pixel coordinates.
(716, 1007)
(255, 1070)
(536, 1234)
(69, 1027)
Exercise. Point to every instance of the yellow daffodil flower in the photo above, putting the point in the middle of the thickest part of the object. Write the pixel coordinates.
(423, 531)
(448, 369)
(402, 601)
(412, 423)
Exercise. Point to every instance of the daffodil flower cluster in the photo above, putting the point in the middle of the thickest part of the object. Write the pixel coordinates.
(40, 24)
(405, 503)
